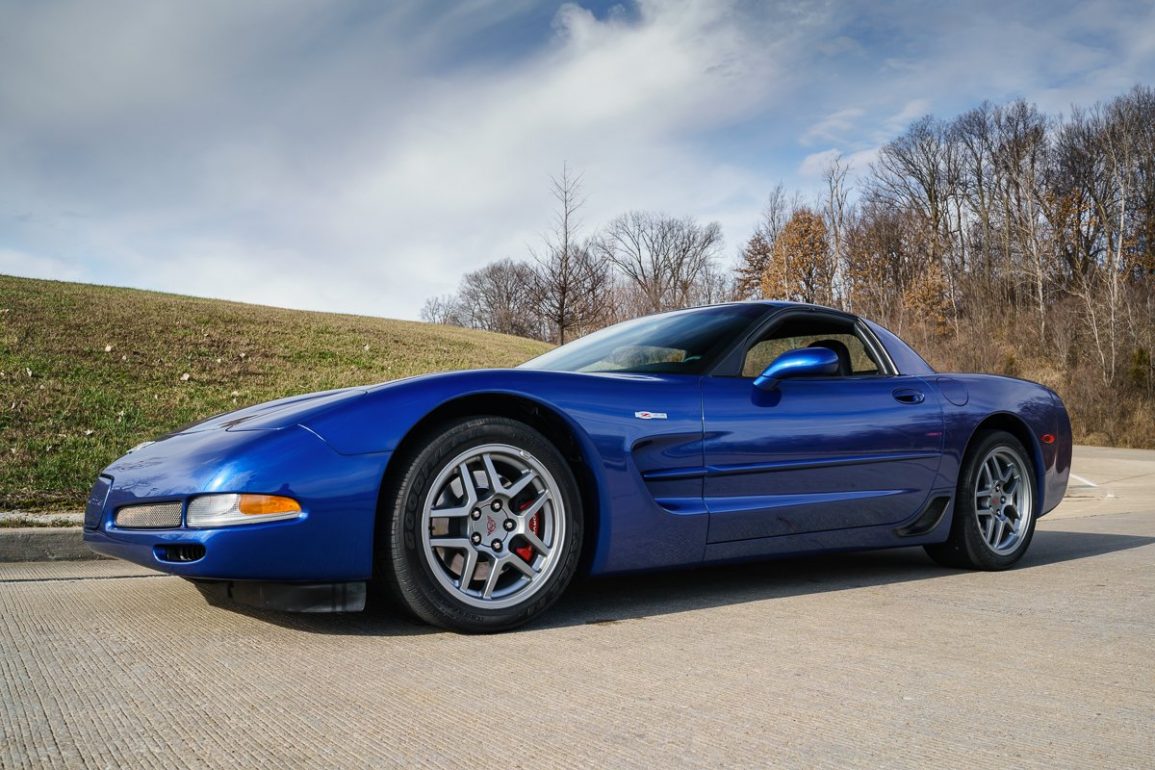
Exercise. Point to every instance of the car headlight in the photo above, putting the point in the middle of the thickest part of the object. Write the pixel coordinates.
(227, 510)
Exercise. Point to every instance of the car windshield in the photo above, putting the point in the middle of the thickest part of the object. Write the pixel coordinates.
(682, 342)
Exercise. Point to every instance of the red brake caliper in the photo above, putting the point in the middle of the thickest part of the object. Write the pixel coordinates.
(526, 551)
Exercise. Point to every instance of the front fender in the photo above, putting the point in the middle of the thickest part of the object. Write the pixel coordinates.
(635, 530)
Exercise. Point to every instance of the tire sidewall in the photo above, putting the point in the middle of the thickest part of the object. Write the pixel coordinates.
(977, 549)
(409, 571)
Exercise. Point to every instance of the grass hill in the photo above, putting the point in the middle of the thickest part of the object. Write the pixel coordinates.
(87, 372)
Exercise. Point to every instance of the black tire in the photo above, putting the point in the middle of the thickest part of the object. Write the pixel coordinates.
(969, 546)
(421, 576)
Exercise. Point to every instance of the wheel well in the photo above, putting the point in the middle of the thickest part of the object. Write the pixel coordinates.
(1017, 428)
(539, 417)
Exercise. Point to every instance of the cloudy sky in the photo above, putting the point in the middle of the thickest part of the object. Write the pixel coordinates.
(359, 156)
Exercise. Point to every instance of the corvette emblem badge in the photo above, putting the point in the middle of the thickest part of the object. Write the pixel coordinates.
(490, 524)
(650, 415)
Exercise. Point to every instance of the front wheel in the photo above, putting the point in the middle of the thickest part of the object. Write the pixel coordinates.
(994, 517)
(484, 526)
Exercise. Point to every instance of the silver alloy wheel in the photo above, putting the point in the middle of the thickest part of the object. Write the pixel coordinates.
(493, 526)
(1003, 499)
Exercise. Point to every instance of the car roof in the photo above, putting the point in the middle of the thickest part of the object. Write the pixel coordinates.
(778, 304)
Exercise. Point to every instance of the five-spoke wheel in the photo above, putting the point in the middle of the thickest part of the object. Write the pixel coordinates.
(483, 527)
(490, 523)
(994, 517)
(1003, 499)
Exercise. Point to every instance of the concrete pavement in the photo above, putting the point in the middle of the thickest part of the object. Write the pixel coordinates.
(867, 660)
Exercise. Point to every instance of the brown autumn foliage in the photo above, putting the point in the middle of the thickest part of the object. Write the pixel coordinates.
(801, 266)
(1003, 240)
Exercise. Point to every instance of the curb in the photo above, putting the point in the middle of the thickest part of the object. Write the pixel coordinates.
(44, 544)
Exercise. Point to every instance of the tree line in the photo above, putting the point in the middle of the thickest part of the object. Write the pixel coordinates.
(1002, 240)
(639, 263)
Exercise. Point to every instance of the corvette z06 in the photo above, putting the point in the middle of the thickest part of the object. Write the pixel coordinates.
(716, 434)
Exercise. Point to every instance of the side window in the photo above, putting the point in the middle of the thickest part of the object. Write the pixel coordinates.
(855, 357)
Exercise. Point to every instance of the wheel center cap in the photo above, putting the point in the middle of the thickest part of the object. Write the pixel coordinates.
(487, 528)
(486, 525)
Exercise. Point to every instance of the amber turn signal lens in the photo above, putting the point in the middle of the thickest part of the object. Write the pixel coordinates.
(263, 505)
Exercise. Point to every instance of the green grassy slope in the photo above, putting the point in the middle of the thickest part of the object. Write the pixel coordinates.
(86, 372)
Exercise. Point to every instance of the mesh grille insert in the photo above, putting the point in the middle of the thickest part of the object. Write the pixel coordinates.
(151, 516)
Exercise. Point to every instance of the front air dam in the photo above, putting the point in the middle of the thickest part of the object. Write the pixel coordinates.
(286, 597)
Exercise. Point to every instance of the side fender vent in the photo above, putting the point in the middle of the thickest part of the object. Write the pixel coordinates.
(927, 520)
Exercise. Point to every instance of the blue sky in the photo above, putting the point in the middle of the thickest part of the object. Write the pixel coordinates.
(359, 157)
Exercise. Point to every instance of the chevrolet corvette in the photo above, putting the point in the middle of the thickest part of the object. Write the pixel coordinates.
(717, 434)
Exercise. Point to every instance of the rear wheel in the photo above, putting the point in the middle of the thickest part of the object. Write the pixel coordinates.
(994, 517)
(484, 527)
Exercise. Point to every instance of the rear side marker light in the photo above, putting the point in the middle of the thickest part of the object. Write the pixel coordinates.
(1047, 438)
(233, 509)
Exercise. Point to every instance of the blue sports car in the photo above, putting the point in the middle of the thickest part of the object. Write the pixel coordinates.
(716, 434)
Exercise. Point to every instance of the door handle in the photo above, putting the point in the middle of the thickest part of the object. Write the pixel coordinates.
(908, 396)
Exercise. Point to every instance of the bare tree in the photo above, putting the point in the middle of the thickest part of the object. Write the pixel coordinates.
(835, 211)
(1019, 156)
(884, 258)
(663, 258)
(499, 298)
(919, 172)
(571, 280)
(442, 310)
(914, 173)
(1111, 135)
(1037, 232)
(1075, 184)
(974, 134)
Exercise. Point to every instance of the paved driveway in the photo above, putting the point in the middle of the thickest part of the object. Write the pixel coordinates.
(872, 660)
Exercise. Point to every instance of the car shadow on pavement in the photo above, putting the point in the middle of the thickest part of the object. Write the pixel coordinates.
(626, 597)
(381, 618)
(634, 596)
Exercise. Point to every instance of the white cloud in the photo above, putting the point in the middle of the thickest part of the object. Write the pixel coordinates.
(910, 112)
(814, 164)
(361, 179)
(360, 158)
(834, 127)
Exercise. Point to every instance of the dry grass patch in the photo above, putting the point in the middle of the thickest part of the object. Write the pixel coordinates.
(86, 372)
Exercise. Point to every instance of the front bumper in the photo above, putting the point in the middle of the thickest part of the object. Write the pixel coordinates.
(331, 541)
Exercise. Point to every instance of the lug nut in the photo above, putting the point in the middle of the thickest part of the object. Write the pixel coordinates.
(475, 538)
(509, 525)
(496, 545)
(476, 514)
(496, 506)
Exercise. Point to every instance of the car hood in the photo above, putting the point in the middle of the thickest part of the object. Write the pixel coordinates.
(413, 396)
(273, 415)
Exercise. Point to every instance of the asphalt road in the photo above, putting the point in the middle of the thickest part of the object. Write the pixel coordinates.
(870, 660)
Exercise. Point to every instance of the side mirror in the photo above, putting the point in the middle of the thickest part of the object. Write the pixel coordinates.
(800, 362)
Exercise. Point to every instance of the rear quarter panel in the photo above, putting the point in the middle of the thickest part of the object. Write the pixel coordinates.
(972, 401)
(988, 400)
